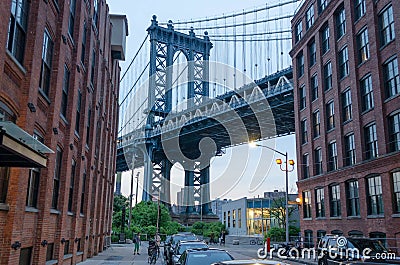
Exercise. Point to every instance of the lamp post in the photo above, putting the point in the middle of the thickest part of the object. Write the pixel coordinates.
(137, 187)
(286, 169)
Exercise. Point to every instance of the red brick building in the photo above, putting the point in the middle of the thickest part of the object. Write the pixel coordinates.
(347, 106)
(59, 74)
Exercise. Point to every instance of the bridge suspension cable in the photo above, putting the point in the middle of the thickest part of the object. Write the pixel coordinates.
(134, 57)
(232, 15)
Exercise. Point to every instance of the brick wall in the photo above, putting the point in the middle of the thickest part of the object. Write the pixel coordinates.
(389, 223)
(19, 84)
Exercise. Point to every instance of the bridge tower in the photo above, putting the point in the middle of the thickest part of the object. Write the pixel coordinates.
(164, 43)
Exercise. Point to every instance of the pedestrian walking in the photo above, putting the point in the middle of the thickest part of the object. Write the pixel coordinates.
(136, 242)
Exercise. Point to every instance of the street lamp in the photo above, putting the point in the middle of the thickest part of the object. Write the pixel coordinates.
(286, 169)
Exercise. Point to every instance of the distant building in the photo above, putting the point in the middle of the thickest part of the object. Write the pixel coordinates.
(216, 207)
(179, 207)
(253, 216)
(347, 113)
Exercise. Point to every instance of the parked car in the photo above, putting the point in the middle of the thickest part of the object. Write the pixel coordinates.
(184, 245)
(250, 262)
(170, 244)
(203, 256)
(333, 249)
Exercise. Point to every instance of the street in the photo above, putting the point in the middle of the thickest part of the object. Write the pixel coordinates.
(121, 254)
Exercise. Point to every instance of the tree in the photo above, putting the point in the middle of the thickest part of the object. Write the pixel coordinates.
(145, 214)
(278, 211)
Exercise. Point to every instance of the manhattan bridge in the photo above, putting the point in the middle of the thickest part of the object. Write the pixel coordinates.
(195, 88)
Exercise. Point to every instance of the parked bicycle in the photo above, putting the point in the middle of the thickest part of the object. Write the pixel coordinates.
(256, 241)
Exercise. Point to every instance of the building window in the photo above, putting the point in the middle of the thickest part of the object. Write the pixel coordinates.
(363, 46)
(322, 4)
(45, 72)
(335, 200)
(240, 218)
(308, 239)
(394, 132)
(328, 76)
(298, 29)
(56, 178)
(333, 159)
(391, 78)
(349, 150)
(310, 17)
(78, 112)
(17, 29)
(66, 247)
(374, 193)
(314, 87)
(83, 44)
(4, 177)
(386, 26)
(306, 204)
(71, 21)
(92, 68)
(330, 116)
(33, 187)
(359, 6)
(95, 12)
(325, 39)
(71, 186)
(318, 161)
(319, 202)
(65, 87)
(312, 49)
(302, 92)
(229, 218)
(25, 256)
(306, 166)
(88, 127)
(225, 219)
(367, 95)
(343, 63)
(371, 141)
(78, 245)
(300, 65)
(233, 218)
(353, 200)
(316, 124)
(304, 134)
(346, 105)
(396, 191)
(83, 193)
(341, 22)
(5, 115)
(320, 234)
(49, 251)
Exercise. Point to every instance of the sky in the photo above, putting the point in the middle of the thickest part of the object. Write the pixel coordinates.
(228, 179)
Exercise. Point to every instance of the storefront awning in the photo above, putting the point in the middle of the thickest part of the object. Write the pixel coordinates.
(20, 149)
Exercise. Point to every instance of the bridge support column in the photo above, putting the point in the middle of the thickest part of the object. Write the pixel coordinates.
(147, 175)
(205, 190)
(188, 194)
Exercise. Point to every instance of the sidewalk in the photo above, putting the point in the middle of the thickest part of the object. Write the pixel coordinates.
(121, 254)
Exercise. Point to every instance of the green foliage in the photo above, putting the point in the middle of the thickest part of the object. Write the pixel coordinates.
(145, 214)
(276, 233)
(279, 233)
(208, 229)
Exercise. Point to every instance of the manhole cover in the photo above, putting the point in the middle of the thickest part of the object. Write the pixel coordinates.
(115, 258)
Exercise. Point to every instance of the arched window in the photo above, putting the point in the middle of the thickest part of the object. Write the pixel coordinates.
(337, 232)
(6, 114)
(356, 233)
